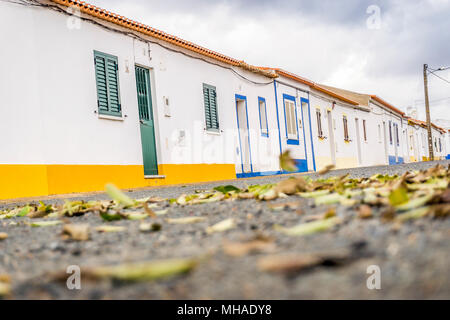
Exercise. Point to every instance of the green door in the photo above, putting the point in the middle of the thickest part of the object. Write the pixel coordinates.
(146, 121)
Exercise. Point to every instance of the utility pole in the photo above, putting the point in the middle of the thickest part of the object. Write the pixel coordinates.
(427, 109)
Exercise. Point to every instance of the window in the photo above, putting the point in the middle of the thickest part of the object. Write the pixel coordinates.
(107, 78)
(263, 117)
(364, 130)
(319, 123)
(390, 132)
(291, 120)
(210, 101)
(379, 133)
(440, 145)
(346, 137)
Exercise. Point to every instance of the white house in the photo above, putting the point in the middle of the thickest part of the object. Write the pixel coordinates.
(379, 129)
(108, 99)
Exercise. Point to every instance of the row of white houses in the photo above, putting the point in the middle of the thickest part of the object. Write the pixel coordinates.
(90, 97)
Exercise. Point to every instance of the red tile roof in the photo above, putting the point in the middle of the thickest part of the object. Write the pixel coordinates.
(311, 84)
(105, 15)
(386, 104)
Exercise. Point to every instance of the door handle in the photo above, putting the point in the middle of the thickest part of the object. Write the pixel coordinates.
(141, 121)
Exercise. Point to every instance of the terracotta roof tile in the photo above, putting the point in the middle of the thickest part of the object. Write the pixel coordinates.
(311, 84)
(158, 34)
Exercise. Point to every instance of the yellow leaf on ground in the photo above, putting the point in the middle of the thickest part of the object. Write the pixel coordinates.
(221, 226)
(79, 232)
(106, 228)
(143, 271)
(186, 220)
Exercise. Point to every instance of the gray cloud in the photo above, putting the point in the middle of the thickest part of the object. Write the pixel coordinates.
(325, 40)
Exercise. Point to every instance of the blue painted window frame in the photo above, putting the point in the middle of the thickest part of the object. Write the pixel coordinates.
(261, 99)
(295, 142)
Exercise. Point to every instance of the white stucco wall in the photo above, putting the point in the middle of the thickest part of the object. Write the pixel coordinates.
(49, 98)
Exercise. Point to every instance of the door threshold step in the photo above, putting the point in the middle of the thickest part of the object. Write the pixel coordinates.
(154, 177)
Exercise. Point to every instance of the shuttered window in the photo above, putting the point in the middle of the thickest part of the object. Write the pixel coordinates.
(397, 137)
(364, 130)
(346, 136)
(107, 78)
(210, 102)
(390, 132)
(319, 123)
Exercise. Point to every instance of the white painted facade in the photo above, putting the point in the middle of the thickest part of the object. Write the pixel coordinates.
(49, 112)
(48, 81)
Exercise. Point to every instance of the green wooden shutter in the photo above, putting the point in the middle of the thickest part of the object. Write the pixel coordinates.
(107, 78)
(210, 101)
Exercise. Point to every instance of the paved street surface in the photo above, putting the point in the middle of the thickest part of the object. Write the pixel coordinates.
(413, 259)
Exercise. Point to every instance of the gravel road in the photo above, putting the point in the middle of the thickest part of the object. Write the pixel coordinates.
(413, 259)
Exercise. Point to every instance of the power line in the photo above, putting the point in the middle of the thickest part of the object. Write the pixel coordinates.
(443, 79)
(36, 3)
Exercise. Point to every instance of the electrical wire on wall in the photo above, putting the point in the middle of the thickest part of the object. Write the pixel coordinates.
(36, 3)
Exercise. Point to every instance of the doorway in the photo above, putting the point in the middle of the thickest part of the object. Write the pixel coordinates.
(245, 165)
(386, 157)
(331, 137)
(358, 141)
(146, 121)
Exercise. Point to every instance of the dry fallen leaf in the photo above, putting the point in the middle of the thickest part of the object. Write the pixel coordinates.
(142, 271)
(287, 163)
(79, 232)
(149, 211)
(106, 228)
(365, 212)
(118, 196)
(148, 227)
(440, 210)
(284, 205)
(186, 220)
(46, 223)
(288, 263)
(221, 226)
(5, 287)
(238, 249)
(308, 228)
(156, 199)
(291, 186)
(326, 169)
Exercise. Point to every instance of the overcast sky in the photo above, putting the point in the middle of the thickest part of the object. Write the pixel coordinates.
(339, 43)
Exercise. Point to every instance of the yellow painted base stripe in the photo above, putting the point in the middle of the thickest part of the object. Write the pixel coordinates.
(19, 181)
(23, 181)
(341, 162)
(346, 162)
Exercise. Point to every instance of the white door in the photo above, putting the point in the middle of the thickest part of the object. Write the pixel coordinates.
(395, 127)
(386, 157)
(307, 129)
(358, 141)
(331, 137)
(244, 151)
